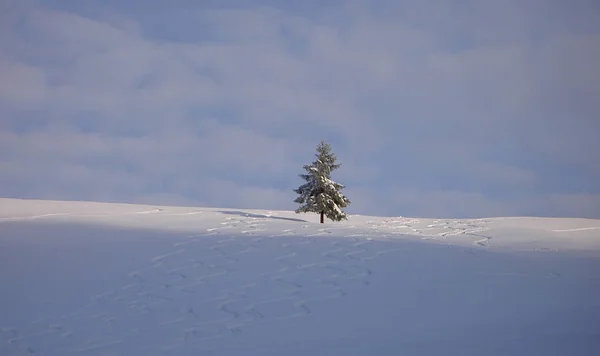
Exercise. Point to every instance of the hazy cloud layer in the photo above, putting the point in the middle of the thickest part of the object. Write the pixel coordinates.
(443, 108)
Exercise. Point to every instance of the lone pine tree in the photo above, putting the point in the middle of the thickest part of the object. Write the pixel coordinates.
(320, 194)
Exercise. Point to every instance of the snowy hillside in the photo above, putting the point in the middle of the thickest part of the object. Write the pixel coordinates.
(83, 278)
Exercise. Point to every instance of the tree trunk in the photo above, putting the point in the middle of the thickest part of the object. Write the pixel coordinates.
(322, 217)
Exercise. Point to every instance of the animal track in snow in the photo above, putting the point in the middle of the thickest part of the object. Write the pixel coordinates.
(171, 289)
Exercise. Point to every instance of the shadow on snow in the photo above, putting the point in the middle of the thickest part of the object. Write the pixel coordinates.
(250, 215)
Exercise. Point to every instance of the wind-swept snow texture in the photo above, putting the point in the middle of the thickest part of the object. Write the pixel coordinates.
(83, 278)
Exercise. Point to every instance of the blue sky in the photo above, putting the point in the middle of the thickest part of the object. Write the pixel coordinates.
(439, 108)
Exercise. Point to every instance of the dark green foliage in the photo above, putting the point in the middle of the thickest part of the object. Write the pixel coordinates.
(320, 194)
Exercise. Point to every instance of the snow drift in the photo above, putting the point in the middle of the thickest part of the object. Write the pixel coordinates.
(81, 278)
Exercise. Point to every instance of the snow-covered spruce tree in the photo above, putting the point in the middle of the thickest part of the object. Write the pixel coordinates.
(321, 194)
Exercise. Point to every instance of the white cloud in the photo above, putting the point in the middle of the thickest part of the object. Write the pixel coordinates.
(482, 98)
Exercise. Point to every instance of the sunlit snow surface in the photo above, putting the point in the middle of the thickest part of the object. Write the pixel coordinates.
(81, 278)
